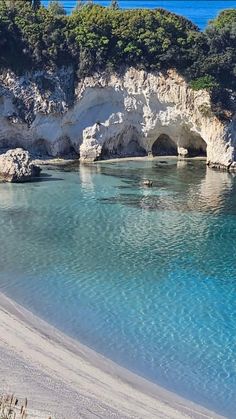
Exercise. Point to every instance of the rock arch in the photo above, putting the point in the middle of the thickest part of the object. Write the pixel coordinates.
(193, 144)
(126, 144)
(177, 142)
(100, 142)
(121, 148)
(164, 146)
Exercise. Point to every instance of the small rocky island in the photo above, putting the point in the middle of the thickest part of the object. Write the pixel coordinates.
(130, 90)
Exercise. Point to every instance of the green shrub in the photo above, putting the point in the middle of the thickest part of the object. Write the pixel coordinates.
(206, 82)
(95, 38)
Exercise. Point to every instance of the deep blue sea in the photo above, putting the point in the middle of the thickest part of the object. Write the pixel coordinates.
(199, 11)
(146, 276)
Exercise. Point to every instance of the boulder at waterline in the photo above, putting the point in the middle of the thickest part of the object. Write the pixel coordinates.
(16, 166)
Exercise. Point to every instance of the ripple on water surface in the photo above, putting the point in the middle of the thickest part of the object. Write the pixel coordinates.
(146, 276)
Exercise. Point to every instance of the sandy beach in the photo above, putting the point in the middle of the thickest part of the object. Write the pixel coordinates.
(65, 379)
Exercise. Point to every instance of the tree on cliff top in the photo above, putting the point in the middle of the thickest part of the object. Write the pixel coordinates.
(36, 4)
(114, 5)
(221, 39)
(224, 19)
(56, 8)
(95, 38)
(79, 5)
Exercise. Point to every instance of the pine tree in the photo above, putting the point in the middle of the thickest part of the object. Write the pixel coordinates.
(82, 3)
(56, 8)
(114, 5)
(79, 4)
(12, 4)
(36, 4)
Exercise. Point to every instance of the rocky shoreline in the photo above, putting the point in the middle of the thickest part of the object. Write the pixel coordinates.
(18, 166)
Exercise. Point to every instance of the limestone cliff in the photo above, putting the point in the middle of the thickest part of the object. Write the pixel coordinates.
(138, 113)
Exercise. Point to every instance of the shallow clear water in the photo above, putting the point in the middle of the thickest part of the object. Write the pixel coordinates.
(146, 276)
(199, 11)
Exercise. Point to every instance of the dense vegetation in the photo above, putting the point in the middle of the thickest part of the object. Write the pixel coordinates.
(97, 38)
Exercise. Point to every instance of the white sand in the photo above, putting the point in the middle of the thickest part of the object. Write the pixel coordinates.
(65, 379)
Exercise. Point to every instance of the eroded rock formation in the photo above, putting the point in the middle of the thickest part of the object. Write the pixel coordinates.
(16, 166)
(135, 114)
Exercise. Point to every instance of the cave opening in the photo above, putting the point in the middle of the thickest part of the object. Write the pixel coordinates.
(62, 148)
(122, 148)
(164, 146)
(40, 147)
(197, 147)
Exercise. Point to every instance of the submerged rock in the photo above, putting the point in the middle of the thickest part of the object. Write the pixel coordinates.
(147, 182)
(16, 166)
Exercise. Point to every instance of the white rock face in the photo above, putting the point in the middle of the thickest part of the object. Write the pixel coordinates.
(139, 113)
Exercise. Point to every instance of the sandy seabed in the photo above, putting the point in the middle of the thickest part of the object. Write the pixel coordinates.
(66, 380)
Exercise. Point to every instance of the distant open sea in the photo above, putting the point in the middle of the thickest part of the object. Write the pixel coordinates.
(199, 11)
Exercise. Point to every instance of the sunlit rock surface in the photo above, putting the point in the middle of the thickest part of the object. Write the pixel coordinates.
(103, 116)
(16, 166)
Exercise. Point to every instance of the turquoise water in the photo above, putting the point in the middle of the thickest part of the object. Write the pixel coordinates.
(199, 11)
(146, 276)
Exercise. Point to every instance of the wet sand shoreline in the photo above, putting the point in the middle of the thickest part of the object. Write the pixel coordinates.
(65, 379)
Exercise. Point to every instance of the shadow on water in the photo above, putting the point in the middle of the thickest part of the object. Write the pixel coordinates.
(73, 166)
(45, 177)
